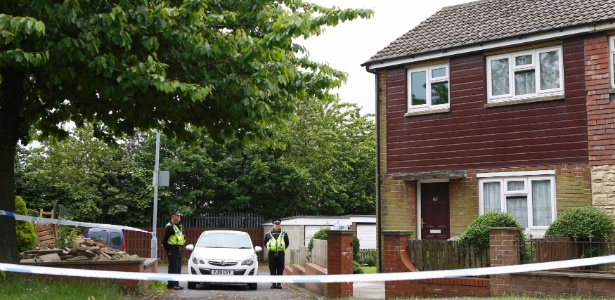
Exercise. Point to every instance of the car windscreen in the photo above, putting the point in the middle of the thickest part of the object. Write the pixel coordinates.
(225, 240)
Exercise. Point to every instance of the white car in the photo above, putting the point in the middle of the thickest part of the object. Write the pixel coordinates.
(223, 252)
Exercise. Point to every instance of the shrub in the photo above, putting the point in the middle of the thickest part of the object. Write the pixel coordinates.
(321, 234)
(356, 268)
(581, 223)
(477, 233)
(26, 236)
(584, 224)
(370, 258)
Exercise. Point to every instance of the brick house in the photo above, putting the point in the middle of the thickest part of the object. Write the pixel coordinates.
(496, 105)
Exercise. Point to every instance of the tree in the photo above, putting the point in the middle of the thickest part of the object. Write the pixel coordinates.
(230, 67)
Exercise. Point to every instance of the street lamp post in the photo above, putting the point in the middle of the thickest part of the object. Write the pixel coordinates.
(154, 253)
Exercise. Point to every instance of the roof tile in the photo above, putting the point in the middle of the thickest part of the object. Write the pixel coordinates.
(489, 20)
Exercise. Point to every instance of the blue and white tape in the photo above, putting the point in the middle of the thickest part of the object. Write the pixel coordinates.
(381, 277)
(67, 222)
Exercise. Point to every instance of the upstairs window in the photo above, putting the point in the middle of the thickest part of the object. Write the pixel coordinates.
(428, 88)
(524, 75)
(612, 59)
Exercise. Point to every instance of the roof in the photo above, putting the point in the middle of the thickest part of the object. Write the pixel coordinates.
(491, 20)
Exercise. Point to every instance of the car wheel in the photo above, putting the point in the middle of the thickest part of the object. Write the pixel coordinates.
(191, 285)
(252, 286)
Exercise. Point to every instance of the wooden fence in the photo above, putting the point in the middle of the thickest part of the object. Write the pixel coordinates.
(207, 220)
(299, 256)
(140, 243)
(432, 255)
(319, 252)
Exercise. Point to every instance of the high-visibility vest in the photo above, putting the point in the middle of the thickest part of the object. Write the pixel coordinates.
(178, 238)
(276, 245)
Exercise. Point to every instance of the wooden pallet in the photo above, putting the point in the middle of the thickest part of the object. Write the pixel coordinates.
(46, 234)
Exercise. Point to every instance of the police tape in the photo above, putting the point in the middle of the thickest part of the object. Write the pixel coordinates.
(67, 222)
(380, 277)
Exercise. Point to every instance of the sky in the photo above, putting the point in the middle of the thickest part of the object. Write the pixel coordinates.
(346, 46)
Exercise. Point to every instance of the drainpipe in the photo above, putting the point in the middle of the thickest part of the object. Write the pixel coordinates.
(378, 175)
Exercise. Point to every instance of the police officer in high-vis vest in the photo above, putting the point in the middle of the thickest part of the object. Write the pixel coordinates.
(173, 240)
(276, 242)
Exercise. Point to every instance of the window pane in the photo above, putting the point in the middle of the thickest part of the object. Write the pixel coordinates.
(523, 60)
(517, 206)
(418, 87)
(541, 202)
(525, 82)
(491, 196)
(549, 70)
(515, 186)
(500, 84)
(440, 72)
(439, 93)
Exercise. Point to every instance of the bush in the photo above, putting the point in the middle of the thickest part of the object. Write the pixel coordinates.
(581, 223)
(477, 233)
(26, 236)
(370, 258)
(356, 268)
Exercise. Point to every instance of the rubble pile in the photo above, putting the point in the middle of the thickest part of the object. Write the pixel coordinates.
(85, 249)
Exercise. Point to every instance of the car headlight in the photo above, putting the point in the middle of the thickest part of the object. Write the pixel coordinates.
(197, 260)
(247, 262)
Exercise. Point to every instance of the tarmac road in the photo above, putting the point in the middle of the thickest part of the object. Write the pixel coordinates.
(234, 291)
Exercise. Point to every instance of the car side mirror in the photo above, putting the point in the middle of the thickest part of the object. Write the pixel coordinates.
(258, 249)
(190, 247)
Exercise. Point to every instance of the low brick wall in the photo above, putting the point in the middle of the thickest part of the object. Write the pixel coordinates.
(308, 269)
(143, 265)
(561, 284)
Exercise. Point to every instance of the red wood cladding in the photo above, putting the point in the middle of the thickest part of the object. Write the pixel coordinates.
(472, 136)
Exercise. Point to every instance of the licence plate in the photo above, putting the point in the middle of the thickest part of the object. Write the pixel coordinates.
(221, 272)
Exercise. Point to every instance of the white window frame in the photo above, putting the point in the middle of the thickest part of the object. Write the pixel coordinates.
(517, 176)
(429, 81)
(612, 60)
(535, 65)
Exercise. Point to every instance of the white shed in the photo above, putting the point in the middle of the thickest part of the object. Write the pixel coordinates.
(301, 229)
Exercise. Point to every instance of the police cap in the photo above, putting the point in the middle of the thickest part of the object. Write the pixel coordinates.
(176, 212)
(276, 221)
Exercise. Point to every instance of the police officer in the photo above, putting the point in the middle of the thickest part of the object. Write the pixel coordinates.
(276, 242)
(172, 240)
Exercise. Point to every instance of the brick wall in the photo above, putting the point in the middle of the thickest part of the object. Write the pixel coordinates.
(601, 122)
(600, 110)
(504, 251)
(573, 189)
(339, 261)
(396, 259)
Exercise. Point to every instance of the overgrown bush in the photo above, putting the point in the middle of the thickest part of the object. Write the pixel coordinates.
(477, 233)
(26, 236)
(581, 223)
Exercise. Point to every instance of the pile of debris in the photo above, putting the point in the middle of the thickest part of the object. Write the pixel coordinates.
(85, 249)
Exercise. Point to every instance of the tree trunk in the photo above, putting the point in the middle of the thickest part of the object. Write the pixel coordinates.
(11, 102)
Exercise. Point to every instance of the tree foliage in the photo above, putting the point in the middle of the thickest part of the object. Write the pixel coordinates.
(230, 67)
(582, 223)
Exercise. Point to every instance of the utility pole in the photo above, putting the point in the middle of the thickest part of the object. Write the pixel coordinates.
(154, 253)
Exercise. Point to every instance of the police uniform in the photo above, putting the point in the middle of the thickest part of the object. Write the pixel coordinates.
(276, 242)
(173, 240)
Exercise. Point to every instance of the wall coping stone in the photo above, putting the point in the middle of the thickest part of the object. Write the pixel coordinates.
(397, 232)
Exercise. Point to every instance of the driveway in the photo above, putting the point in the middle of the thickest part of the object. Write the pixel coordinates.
(234, 291)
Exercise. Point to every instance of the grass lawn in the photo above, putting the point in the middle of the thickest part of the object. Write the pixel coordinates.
(17, 286)
(369, 270)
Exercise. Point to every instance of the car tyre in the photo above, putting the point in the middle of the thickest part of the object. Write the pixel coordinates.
(252, 286)
(191, 285)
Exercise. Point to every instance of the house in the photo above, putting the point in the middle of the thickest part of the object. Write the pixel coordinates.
(300, 229)
(496, 105)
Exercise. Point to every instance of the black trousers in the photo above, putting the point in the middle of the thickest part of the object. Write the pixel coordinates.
(276, 263)
(174, 254)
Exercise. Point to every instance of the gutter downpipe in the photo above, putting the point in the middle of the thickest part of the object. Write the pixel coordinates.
(378, 174)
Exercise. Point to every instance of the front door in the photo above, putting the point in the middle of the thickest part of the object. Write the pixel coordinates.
(435, 211)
